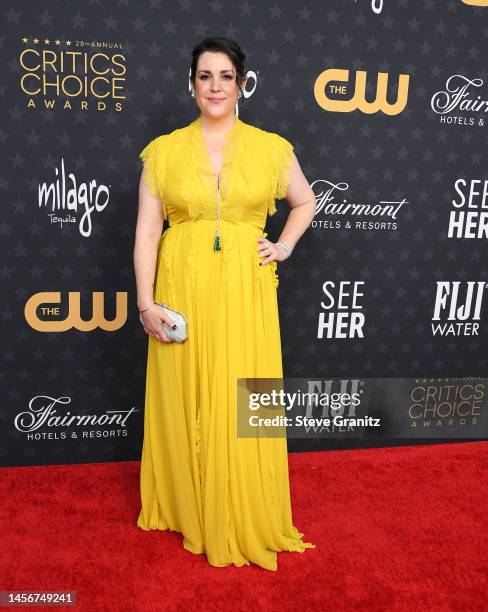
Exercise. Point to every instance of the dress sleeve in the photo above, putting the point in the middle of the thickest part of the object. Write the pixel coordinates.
(281, 155)
(153, 163)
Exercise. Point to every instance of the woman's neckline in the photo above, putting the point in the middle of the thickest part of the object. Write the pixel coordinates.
(228, 147)
(198, 122)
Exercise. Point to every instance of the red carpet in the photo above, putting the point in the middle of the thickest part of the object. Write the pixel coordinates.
(396, 529)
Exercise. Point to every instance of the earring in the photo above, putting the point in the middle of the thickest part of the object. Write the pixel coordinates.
(192, 93)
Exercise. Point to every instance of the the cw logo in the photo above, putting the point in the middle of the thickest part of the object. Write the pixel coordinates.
(45, 299)
(476, 2)
(358, 101)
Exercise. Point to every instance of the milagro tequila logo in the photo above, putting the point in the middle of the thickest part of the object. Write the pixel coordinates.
(458, 95)
(376, 5)
(66, 194)
(41, 421)
(458, 307)
(469, 219)
(340, 213)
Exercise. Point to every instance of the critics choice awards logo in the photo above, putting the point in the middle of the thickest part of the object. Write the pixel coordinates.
(445, 404)
(72, 74)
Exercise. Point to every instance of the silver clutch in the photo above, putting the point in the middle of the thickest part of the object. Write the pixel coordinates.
(180, 334)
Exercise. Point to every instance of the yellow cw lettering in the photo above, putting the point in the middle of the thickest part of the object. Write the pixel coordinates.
(46, 301)
(358, 100)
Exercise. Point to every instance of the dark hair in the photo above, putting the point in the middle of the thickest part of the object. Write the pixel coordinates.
(223, 45)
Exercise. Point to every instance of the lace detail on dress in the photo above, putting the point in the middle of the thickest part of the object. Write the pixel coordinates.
(202, 173)
(281, 156)
(154, 170)
(206, 166)
(274, 267)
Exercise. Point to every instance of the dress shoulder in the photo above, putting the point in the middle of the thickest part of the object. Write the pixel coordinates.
(153, 156)
(280, 152)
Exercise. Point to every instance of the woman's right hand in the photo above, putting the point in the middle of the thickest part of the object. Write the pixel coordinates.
(153, 319)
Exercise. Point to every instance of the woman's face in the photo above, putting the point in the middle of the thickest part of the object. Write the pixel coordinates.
(215, 84)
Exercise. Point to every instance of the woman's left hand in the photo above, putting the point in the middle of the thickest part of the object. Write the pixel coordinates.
(270, 251)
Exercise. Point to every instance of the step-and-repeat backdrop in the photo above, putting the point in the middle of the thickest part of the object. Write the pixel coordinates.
(386, 104)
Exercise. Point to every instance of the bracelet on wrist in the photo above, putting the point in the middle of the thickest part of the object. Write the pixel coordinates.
(285, 247)
(147, 308)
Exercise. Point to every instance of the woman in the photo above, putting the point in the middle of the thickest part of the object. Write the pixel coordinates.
(215, 180)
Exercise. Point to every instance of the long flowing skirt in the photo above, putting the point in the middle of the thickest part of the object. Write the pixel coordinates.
(229, 496)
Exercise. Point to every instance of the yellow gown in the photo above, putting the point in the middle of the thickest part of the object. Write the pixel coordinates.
(228, 496)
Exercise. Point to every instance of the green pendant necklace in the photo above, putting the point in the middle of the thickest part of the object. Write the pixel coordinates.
(231, 134)
(217, 241)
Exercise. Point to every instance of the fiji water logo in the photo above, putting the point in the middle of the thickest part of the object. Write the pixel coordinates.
(458, 308)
